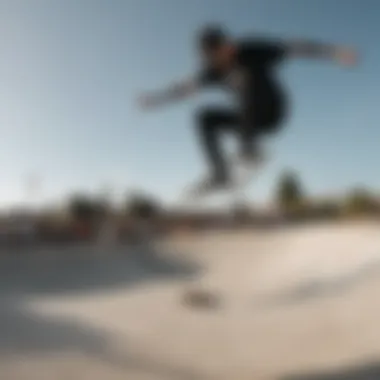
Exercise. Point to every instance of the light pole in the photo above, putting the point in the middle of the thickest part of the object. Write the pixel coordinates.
(32, 190)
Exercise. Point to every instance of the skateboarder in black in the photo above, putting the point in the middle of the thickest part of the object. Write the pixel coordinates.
(248, 68)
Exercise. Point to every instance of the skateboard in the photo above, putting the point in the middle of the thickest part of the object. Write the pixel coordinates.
(242, 175)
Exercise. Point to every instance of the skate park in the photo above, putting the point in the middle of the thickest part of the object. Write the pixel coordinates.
(103, 101)
(295, 303)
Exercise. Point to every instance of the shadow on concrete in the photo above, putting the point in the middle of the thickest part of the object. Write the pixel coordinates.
(89, 272)
(25, 333)
(324, 287)
(370, 371)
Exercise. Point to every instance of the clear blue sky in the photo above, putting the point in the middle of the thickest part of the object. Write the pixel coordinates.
(70, 70)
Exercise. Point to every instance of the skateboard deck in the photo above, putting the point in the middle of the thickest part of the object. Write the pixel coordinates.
(242, 175)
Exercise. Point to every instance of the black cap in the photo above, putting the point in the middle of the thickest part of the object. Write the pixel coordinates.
(211, 37)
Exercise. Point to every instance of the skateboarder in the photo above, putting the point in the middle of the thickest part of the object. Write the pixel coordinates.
(248, 68)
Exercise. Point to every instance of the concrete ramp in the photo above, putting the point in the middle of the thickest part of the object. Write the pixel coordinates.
(299, 303)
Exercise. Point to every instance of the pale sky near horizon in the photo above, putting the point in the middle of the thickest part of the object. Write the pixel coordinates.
(70, 71)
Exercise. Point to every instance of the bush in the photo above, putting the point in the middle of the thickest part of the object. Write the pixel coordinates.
(142, 206)
(290, 193)
(360, 201)
(86, 209)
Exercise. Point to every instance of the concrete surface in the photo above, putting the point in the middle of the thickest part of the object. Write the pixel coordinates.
(300, 303)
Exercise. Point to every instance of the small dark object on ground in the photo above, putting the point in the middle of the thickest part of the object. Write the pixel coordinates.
(203, 299)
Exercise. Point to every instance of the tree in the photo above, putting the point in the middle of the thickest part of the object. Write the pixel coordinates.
(290, 193)
(326, 209)
(360, 201)
(84, 208)
(142, 206)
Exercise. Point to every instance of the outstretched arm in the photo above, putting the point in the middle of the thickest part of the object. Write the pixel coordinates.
(175, 92)
(309, 49)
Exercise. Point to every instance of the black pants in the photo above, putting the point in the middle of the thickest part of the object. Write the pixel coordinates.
(249, 125)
